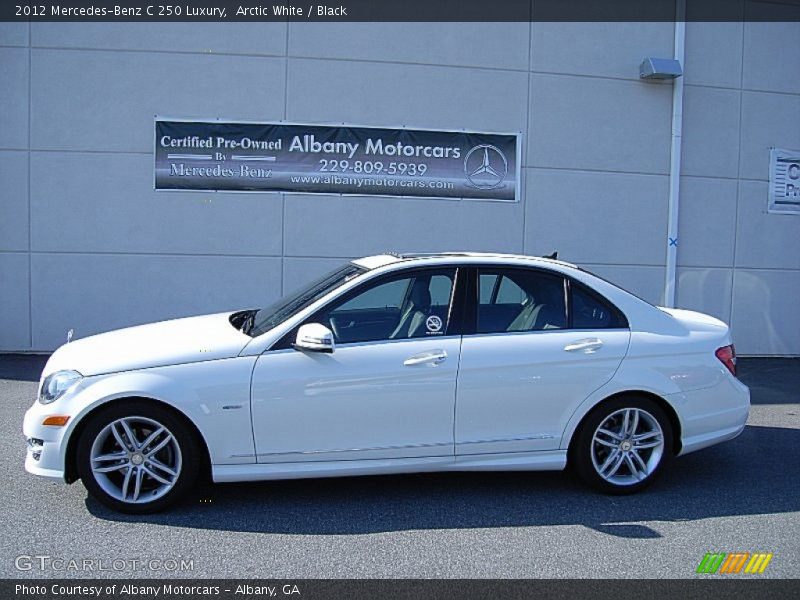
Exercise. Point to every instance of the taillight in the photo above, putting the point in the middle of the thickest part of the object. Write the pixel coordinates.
(727, 356)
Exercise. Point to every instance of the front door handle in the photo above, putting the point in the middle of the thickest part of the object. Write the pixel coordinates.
(587, 345)
(432, 358)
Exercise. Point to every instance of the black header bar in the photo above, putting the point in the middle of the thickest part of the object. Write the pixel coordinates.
(397, 10)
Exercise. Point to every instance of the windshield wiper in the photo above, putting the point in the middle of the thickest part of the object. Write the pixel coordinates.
(249, 322)
(244, 320)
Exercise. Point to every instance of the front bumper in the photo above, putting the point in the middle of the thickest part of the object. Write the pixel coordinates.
(46, 443)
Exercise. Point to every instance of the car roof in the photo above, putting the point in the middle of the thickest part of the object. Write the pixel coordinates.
(388, 258)
(641, 315)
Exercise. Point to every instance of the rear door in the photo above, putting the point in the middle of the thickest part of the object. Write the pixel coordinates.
(528, 361)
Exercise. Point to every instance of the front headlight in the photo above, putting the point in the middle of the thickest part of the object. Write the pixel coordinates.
(55, 384)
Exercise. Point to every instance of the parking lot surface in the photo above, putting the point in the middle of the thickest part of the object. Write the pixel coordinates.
(741, 496)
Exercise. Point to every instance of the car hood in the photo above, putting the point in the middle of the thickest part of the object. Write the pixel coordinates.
(207, 337)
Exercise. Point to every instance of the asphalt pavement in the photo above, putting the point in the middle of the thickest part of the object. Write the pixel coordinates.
(743, 495)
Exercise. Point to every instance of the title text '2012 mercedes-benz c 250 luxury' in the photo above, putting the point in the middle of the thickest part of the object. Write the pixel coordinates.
(392, 364)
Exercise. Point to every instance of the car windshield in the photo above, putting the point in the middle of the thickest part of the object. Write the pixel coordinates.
(275, 314)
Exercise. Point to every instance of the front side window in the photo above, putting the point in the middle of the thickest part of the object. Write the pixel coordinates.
(513, 300)
(415, 305)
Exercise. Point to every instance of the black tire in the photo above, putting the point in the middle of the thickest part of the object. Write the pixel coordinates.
(189, 451)
(583, 445)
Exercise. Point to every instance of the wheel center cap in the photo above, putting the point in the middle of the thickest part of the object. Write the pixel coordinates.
(625, 446)
(137, 458)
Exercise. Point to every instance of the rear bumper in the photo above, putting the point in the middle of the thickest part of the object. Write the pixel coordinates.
(713, 415)
(698, 442)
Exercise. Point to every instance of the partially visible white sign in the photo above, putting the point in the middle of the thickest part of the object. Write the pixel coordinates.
(784, 181)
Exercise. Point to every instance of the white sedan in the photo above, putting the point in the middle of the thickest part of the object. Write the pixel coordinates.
(392, 364)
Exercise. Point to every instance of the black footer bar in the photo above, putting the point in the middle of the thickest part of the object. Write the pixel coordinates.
(390, 589)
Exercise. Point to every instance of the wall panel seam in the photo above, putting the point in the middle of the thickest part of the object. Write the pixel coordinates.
(139, 254)
(739, 185)
(742, 89)
(155, 51)
(376, 61)
(591, 170)
(523, 191)
(285, 118)
(30, 229)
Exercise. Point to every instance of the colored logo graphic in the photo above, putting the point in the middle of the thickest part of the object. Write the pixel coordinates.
(734, 562)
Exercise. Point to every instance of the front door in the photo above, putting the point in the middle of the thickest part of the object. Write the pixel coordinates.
(387, 390)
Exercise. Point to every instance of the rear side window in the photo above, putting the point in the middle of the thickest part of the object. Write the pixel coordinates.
(590, 311)
(513, 300)
(510, 293)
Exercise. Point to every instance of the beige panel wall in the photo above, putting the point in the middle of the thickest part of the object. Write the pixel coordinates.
(86, 243)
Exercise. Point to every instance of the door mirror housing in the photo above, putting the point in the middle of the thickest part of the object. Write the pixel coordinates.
(314, 337)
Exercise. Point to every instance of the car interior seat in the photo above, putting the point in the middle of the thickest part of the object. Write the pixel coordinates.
(417, 310)
(541, 310)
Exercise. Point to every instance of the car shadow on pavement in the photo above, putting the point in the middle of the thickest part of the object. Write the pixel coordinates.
(755, 474)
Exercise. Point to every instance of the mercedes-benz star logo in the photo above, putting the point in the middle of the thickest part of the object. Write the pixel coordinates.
(490, 171)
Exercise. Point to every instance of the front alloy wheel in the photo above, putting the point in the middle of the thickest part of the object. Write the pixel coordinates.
(136, 458)
(622, 445)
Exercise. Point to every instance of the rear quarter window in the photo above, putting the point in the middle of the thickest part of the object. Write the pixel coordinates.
(589, 310)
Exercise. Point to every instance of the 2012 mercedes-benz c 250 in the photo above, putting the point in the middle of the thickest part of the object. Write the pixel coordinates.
(392, 364)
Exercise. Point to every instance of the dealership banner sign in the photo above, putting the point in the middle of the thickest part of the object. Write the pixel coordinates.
(784, 181)
(323, 159)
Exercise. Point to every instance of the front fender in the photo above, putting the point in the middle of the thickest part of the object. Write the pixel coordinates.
(213, 395)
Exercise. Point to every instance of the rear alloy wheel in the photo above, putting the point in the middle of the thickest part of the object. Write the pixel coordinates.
(622, 445)
(137, 459)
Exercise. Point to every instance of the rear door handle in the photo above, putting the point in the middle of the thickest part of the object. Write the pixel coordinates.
(587, 345)
(433, 358)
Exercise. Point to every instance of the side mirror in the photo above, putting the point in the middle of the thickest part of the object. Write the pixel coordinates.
(314, 337)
